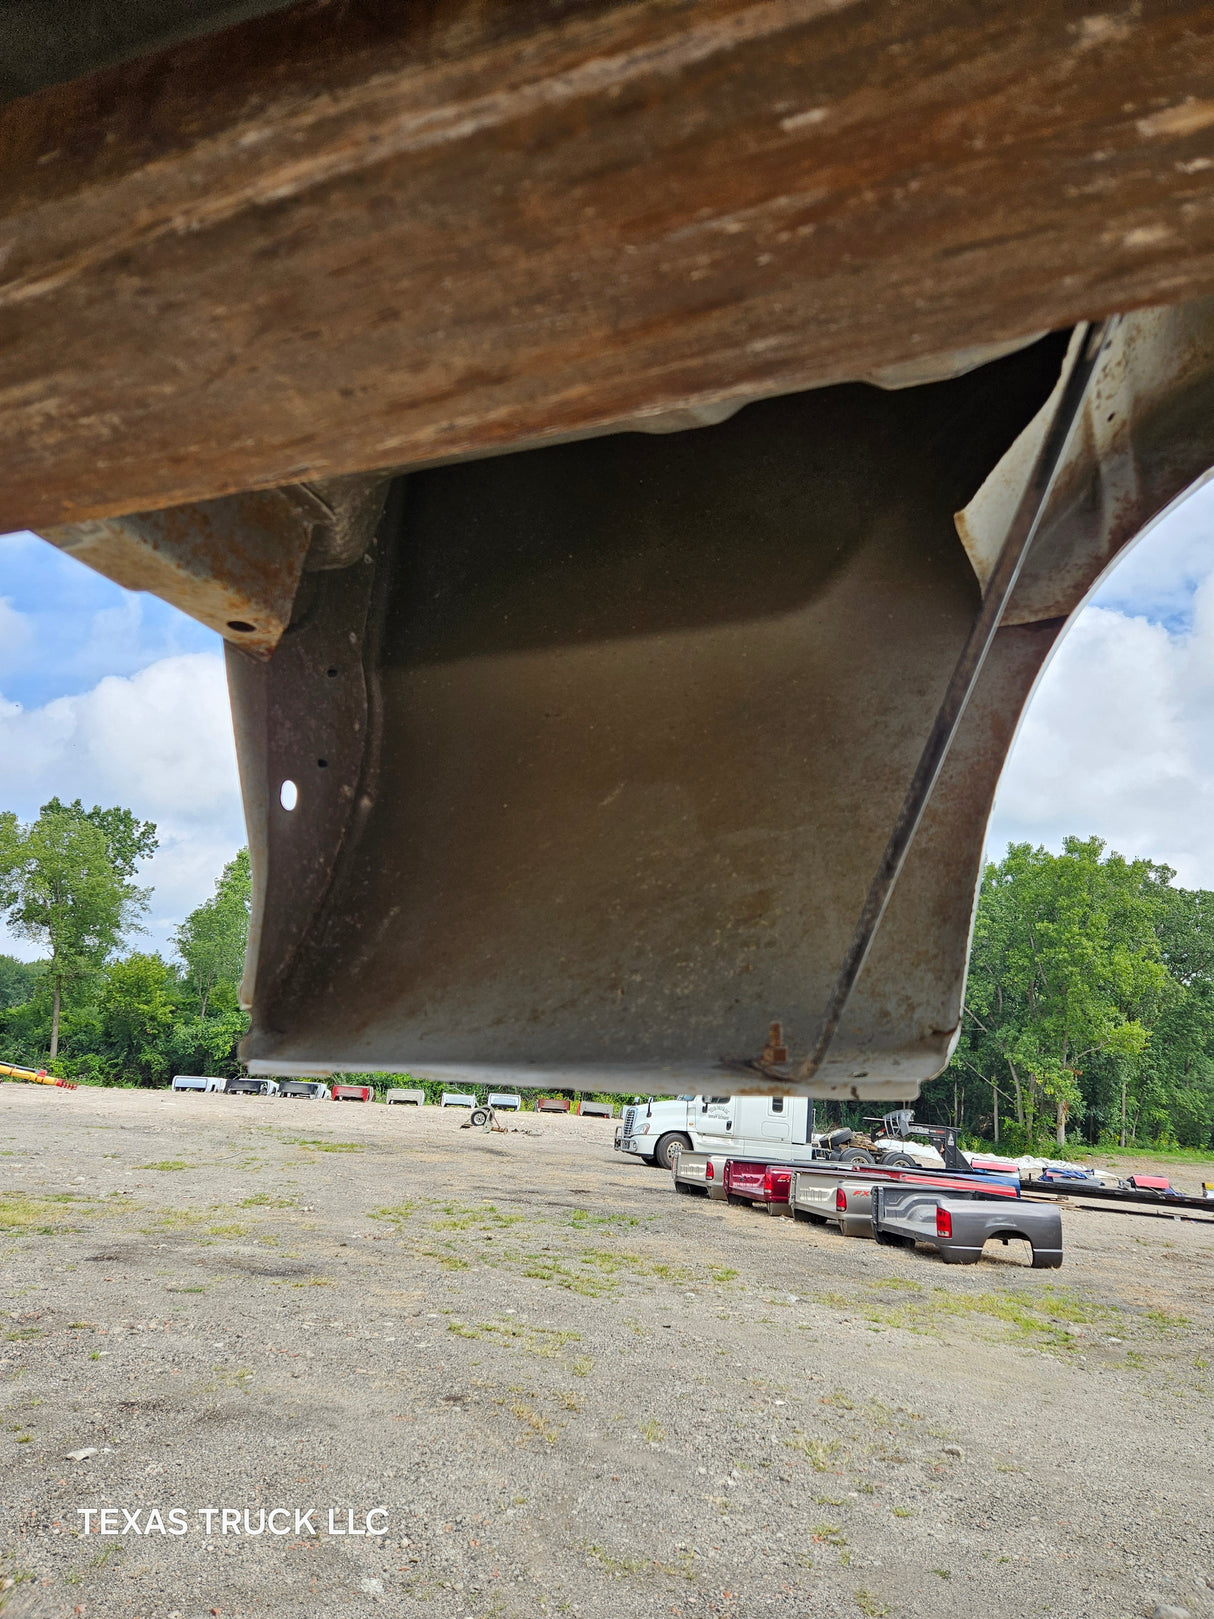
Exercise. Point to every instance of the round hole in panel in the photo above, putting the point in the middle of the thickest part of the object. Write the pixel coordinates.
(288, 795)
(241, 626)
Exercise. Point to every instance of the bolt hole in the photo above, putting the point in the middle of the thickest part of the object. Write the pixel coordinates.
(323, 763)
(239, 625)
(288, 795)
(332, 673)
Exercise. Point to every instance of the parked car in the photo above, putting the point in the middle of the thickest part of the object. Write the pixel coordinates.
(959, 1227)
(309, 1090)
(198, 1082)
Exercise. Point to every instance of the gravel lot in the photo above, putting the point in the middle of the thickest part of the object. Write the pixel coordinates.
(572, 1392)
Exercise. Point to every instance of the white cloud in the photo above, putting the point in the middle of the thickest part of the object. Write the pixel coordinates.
(1119, 741)
(159, 742)
(16, 637)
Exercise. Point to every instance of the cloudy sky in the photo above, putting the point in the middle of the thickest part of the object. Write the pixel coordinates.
(117, 699)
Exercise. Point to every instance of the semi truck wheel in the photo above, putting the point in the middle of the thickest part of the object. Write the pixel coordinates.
(668, 1145)
(856, 1155)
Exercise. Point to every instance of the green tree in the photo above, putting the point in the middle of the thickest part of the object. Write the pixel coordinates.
(138, 1013)
(18, 980)
(1067, 966)
(66, 882)
(211, 941)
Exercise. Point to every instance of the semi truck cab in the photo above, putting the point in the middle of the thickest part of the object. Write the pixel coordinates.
(780, 1127)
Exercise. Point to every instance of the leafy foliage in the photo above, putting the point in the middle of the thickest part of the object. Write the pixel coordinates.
(1090, 1002)
(212, 938)
(86, 1012)
(66, 882)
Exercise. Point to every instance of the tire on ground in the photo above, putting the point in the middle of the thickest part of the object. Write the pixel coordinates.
(668, 1145)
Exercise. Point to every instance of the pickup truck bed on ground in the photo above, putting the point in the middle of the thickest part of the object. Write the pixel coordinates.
(959, 1227)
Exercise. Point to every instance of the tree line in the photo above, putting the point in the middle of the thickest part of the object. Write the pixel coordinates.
(1088, 1015)
(1089, 1009)
(86, 1011)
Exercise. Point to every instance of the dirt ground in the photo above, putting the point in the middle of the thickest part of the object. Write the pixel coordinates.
(571, 1391)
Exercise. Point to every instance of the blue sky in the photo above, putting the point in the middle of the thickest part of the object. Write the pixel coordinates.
(115, 697)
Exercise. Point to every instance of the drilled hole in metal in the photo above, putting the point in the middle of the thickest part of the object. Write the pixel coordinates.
(323, 763)
(239, 625)
(288, 795)
(331, 673)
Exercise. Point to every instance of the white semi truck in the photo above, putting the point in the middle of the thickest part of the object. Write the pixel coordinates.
(780, 1128)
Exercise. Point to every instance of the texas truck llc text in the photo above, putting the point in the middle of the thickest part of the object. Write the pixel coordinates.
(231, 1521)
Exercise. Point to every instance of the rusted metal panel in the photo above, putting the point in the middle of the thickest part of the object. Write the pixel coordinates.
(639, 714)
(234, 564)
(631, 721)
(350, 236)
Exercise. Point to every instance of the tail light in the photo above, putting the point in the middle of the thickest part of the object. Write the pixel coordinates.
(710, 1173)
(840, 1200)
(944, 1222)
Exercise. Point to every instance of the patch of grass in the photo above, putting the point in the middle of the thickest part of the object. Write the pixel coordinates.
(185, 1289)
(324, 1146)
(582, 1366)
(547, 1342)
(167, 1165)
(822, 1454)
(23, 1332)
(722, 1273)
(173, 1220)
(227, 1230)
(829, 1534)
(621, 1567)
(944, 1573)
(579, 1219)
(652, 1431)
(535, 1421)
(904, 1512)
(397, 1213)
(871, 1606)
(263, 1200)
(38, 1216)
(482, 1217)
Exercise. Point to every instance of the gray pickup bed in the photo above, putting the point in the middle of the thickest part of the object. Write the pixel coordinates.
(959, 1226)
(700, 1173)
